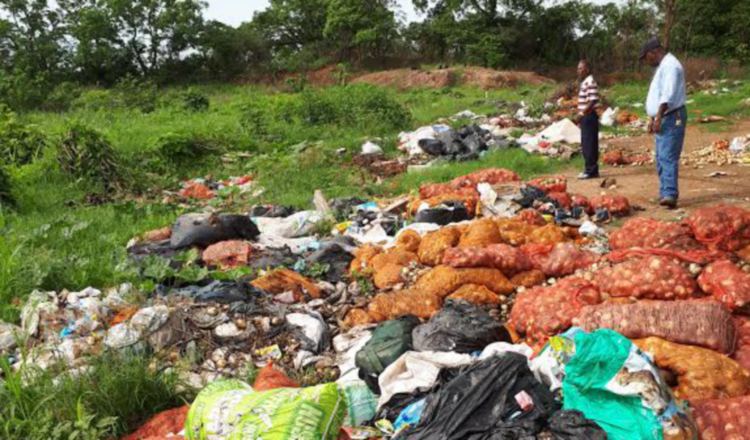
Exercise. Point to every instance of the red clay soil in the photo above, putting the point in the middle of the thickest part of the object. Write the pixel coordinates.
(641, 185)
(438, 78)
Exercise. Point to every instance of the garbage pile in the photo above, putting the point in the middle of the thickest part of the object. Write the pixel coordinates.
(205, 189)
(485, 307)
(721, 152)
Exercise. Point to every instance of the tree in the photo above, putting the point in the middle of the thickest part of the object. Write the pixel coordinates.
(31, 38)
(361, 28)
(228, 51)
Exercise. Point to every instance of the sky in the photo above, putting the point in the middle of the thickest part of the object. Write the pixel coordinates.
(234, 12)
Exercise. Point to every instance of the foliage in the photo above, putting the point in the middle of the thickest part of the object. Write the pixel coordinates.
(107, 400)
(62, 97)
(177, 149)
(20, 143)
(6, 196)
(85, 154)
(135, 93)
(195, 101)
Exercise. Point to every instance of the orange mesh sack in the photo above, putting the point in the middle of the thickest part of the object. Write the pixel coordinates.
(742, 352)
(357, 317)
(227, 254)
(529, 279)
(583, 202)
(550, 184)
(434, 244)
(437, 189)
(362, 257)
(160, 426)
(728, 284)
(480, 233)
(701, 373)
(723, 419)
(744, 254)
(514, 232)
(270, 378)
(559, 260)
(476, 294)
(704, 323)
(531, 217)
(562, 199)
(283, 280)
(393, 256)
(507, 259)
(541, 312)
(493, 176)
(721, 227)
(388, 276)
(385, 306)
(650, 233)
(614, 158)
(548, 234)
(443, 280)
(652, 277)
(616, 205)
(408, 241)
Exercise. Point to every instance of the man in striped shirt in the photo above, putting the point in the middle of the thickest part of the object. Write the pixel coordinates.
(588, 99)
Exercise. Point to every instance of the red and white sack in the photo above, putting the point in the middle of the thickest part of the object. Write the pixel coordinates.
(704, 323)
(650, 233)
(722, 227)
(531, 217)
(541, 312)
(582, 202)
(550, 184)
(616, 205)
(507, 259)
(742, 352)
(562, 199)
(723, 419)
(493, 176)
(728, 284)
(652, 277)
(559, 260)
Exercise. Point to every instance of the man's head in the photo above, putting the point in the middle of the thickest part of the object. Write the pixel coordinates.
(584, 69)
(652, 52)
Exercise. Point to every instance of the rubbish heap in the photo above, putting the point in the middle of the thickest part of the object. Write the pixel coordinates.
(721, 152)
(483, 307)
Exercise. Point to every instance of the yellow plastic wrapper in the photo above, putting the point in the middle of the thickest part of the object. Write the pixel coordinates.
(434, 244)
(480, 233)
(476, 294)
(701, 373)
(444, 280)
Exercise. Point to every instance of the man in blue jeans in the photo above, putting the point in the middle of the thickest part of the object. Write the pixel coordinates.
(665, 106)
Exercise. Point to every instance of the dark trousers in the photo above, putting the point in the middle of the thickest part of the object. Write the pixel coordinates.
(590, 143)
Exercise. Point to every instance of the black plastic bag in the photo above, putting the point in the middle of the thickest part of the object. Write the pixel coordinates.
(573, 425)
(460, 327)
(271, 258)
(482, 403)
(207, 229)
(433, 147)
(336, 254)
(445, 213)
(222, 292)
(343, 207)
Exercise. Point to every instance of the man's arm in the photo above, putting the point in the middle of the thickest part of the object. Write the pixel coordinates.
(655, 126)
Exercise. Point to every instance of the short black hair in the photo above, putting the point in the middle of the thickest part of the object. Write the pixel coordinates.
(587, 63)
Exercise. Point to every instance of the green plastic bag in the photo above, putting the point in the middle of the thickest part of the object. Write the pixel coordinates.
(231, 410)
(602, 381)
(389, 341)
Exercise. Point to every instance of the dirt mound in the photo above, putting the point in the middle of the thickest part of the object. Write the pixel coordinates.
(473, 76)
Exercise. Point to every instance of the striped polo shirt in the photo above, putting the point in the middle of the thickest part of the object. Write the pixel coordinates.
(588, 92)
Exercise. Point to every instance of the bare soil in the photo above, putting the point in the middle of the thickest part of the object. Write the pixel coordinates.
(474, 76)
(641, 185)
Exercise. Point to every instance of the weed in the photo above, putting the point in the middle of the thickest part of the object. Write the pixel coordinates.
(134, 93)
(6, 196)
(85, 154)
(19, 143)
(183, 148)
(63, 96)
(195, 101)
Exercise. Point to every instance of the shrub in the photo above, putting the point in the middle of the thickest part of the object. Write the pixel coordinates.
(181, 148)
(84, 153)
(19, 143)
(195, 101)
(62, 97)
(6, 198)
(95, 100)
(135, 93)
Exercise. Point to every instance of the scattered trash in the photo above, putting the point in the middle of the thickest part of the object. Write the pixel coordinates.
(371, 148)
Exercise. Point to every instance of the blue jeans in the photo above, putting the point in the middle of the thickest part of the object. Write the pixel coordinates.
(668, 149)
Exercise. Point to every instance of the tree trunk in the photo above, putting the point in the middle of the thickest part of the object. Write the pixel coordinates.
(669, 19)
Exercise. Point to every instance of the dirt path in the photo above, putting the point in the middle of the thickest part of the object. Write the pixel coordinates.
(640, 183)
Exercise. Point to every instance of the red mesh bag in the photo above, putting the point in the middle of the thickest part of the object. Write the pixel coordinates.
(723, 419)
(558, 260)
(742, 352)
(583, 202)
(196, 190)
(704, 323)
(614, 158)
(542, 312)
(563, 199)
(171, 421)
(649, 233)
(616, 205)
(228, 254)
(531, 217)
(507, 259)
(651, 277)
(437, 189)
(550, 184)
(721, 227)
(728, 284)
(270, 378)
(493, 176)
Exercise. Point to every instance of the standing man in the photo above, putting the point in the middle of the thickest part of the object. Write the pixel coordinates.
(665, 106)
(588, 99)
